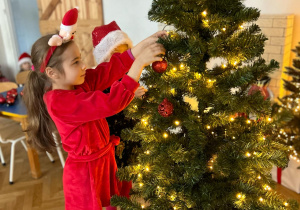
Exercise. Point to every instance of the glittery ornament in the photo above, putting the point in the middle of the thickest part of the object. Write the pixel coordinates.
(165, 109)
(10, 101)
(2, 99)
(160, 66)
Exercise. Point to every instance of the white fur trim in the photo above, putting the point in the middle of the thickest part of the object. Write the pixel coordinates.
(105, 48)
(24, 60)
(69, 28)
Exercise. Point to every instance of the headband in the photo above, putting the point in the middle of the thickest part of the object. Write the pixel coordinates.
(67, 30)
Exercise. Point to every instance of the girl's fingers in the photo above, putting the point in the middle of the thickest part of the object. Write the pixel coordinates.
(157, 45)
(154, 37)
(157, 59)
(160, 34)
(158, 51)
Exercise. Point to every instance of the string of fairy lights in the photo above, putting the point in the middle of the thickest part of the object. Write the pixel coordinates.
(290, 101)
(241, 197)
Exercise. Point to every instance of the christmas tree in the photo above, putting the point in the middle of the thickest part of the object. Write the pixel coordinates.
(212, 156)
(125, 151)
(290, 106)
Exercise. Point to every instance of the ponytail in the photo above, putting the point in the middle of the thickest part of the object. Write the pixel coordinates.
(40, 125)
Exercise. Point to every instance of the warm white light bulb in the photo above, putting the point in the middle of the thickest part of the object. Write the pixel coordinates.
(165, 135)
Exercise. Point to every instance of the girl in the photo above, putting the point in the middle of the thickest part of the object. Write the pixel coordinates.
(62, 90)
(24, 62)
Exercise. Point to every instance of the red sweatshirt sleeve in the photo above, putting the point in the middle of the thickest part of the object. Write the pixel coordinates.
(105, 74)
(79, 107)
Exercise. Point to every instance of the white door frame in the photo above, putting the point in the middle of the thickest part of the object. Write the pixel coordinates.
(10, 68)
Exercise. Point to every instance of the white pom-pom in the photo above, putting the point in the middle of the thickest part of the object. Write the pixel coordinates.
(55, 40)
(77, 8)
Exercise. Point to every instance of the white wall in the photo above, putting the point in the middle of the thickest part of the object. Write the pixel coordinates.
(280, 7)
(131, 16)
(26, 22)
(19, 28)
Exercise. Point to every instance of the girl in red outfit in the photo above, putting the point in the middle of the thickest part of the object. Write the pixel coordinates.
(62, 91)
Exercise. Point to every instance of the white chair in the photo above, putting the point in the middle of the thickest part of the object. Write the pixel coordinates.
(59, 152)
(11, 132)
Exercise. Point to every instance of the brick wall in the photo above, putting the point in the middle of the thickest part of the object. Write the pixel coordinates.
(279, 30)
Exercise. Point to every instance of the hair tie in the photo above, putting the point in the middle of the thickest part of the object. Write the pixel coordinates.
(67, 30)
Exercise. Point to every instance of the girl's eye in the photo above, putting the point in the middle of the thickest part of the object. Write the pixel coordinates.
(76, 62)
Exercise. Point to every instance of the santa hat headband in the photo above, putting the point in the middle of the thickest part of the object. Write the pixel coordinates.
(106, 38)
(67, 29)
(24, 58)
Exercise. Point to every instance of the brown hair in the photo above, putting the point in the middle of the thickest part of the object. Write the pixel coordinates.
(40, 125)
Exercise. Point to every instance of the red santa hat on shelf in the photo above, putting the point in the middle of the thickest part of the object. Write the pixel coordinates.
(69, 21)
(24, 57)
(106, 38)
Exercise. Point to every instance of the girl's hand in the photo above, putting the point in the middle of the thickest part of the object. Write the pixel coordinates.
(136, 50)
(140, 92)
(150, 54)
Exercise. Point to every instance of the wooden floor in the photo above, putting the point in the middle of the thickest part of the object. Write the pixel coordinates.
(45, 193)
(27, 193)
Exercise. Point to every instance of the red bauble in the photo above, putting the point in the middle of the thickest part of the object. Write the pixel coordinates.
(241, 114)
(2, 99)
(160, 66)
(256, 88)
(9, 93)
(10, 101)
(14, 91)
(14, 95)
(165, 109)
(21, 93)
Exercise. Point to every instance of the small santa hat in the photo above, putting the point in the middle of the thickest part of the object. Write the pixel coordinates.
(69, 21)
(106, 38)
(24, 57)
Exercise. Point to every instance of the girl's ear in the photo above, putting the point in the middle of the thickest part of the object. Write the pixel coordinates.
(51, 73)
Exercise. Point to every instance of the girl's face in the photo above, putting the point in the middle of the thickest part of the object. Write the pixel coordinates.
(26, 66)
(73, 67)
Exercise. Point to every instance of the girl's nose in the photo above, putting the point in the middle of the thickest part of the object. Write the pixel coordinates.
(83, 67)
